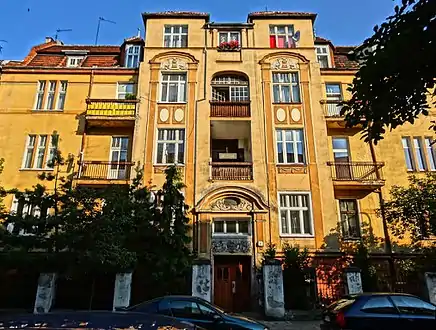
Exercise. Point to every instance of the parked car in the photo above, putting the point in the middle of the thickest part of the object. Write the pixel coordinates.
(380, 311)
(94, 320)
(197, 311)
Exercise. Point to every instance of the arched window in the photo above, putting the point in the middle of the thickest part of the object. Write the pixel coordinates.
(230, 88)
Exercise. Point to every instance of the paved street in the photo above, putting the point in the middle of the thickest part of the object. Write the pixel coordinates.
(293, 325)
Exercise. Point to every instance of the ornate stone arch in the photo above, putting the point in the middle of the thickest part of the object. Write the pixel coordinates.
(232, 199)
(174, 60)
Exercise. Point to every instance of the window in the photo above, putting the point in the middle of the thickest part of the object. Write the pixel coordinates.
(39, 159)
(126, 91)
(51, 95)
(282, 36)
(62, 94)
(290, 147)
(350, 224)
(185, 309)
(173, 87)
(419, 153)
(323, 56)
(52, 149)
(229, 36)
(28, 153)
(408, 153)
(333, 92)
(44, 151)
(379, 305)
(22, 207)
(295, 214)
(40, 95)
(74, 61)
(412, 305)
(133, 53)
(286, 87)
(231, 226)
(230, 88)
(170, 146)
(176, 36)
(118, 154)
(431, 152)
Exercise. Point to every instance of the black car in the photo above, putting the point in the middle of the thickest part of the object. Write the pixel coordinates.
(380, 311)
(93, 320)
(197, 311)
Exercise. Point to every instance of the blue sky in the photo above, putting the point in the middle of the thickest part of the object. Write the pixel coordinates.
(24, 23)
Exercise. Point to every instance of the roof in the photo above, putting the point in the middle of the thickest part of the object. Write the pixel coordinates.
(53, 54)
(175, 14)
(226, 25)
(280, 14)
(320, 40)
(343, 59)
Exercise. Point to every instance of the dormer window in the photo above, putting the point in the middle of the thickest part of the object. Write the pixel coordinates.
(74, 61)
(323, 56)
(133, 53)
(283, 36)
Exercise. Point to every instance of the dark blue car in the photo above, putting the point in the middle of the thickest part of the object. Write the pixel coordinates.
(380, 311)
(197, 311)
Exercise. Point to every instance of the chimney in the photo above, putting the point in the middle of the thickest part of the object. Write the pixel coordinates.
(48, 40)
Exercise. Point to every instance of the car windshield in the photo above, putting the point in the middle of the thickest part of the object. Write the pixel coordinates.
(214, 307)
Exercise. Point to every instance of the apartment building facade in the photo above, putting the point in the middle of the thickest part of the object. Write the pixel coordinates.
(248, 112)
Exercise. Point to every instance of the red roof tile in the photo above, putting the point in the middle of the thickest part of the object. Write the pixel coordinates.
(90, 49)
(320, 40)
(343, 59)
(101, 61)
(280, 14)
(46, 60)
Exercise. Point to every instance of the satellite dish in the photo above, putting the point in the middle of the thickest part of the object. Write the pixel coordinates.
(296, 36)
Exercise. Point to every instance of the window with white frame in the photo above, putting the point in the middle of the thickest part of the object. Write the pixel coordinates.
(170, 146)
(231, 226)
(419, 153)
(38, 154)
(176, 36)
(350, 223)
(230, 88)
(282, 36)
(40, 95)
(126, 91)
(430, 146)
(290, 146)
(62, 94)
(227, 36)
(133, 53)
(74, 61)
(173, 87)
(286, 87)
(295, 214)
(50, 103)
(334, 97)
(323, 56)
(407, 148)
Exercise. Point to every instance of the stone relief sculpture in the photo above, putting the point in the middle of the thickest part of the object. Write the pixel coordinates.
(231, 245)
(284, 63)
(231, 204)
(174, 63)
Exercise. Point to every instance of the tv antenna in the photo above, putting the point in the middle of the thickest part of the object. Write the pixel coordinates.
(101, 19)
(61, 30)
(1, 47)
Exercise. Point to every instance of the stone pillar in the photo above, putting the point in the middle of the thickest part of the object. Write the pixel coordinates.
(45, 293)
(123, 285)
(430, 281)
(274, 299)
(201, 280)
(353, 280)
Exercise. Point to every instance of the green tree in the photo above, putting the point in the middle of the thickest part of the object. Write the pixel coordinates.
(411, 211)
(396, 79)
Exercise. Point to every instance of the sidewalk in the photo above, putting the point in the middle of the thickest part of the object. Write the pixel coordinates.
(292, 325)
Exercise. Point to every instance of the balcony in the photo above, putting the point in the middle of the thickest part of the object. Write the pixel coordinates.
(110, 112)
(102, 172)
(230, 109)
(364, 176)
(332, 109)
(226, 171)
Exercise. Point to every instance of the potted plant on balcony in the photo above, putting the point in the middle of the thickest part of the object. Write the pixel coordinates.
(229, 46)
(130, 96)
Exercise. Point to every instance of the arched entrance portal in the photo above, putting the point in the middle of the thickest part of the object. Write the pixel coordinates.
(230, 229)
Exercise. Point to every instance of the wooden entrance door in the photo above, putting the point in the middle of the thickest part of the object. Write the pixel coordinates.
(232, 283)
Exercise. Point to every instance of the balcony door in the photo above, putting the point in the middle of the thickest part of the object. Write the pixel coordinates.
(342, 159)
(118, 154)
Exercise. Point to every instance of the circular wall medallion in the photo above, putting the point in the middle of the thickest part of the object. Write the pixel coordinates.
(179, 114)
(281, 115)
(295, 114)
(164, 115)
